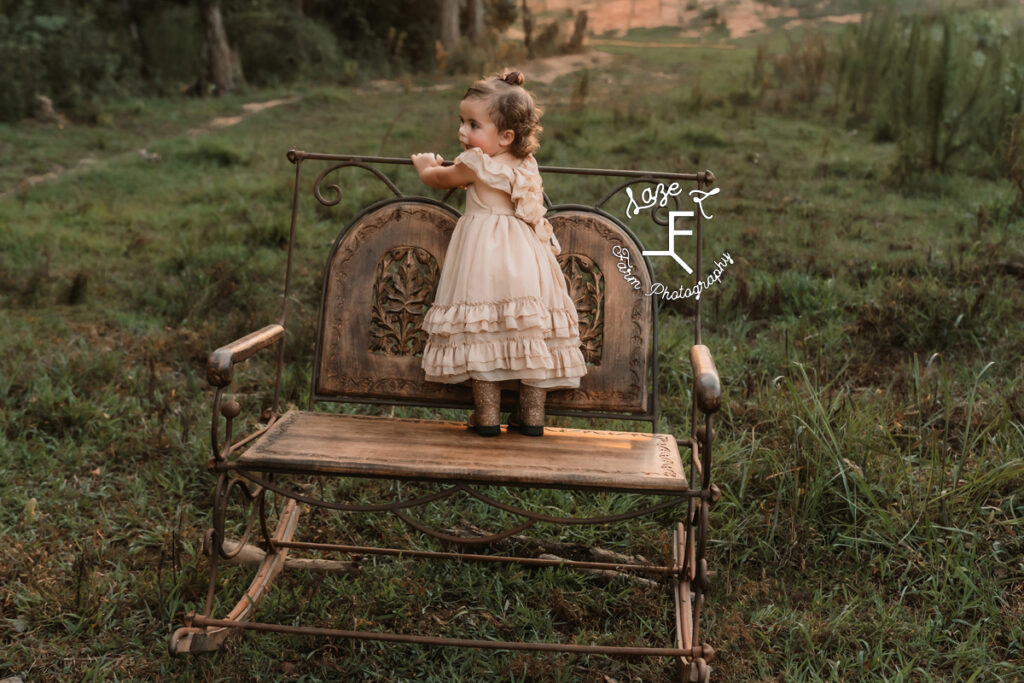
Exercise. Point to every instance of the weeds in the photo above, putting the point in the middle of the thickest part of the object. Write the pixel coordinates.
(869, 449)
(943, 86)
(1013, 160)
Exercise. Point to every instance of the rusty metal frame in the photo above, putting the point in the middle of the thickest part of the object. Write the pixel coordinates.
(687, 574)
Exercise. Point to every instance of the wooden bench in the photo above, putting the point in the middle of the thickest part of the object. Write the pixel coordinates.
(378, 282)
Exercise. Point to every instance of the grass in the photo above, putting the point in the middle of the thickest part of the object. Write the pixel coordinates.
(869, 338)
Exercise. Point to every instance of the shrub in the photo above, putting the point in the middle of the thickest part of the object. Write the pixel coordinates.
(942, 86)
(280, 45)
(61, 51)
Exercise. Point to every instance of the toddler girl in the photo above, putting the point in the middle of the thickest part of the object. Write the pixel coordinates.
(502, 309)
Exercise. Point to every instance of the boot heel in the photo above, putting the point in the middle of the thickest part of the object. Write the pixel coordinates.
(487, 430)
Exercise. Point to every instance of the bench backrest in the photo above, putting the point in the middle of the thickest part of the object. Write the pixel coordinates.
(380, 279)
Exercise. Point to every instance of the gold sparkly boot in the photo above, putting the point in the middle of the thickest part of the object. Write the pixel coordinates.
(485, 420)
(531, 410)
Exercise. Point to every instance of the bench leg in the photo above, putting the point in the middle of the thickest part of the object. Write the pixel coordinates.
(691, 670)
(192, 639)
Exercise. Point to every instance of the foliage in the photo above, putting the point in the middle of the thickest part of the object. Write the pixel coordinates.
(501, 13)
(870, 449)
(802, 66)
(62, 50)
(1013, 159)
(280, 45)
(942, 85)
(385, 36)
(172, 47)
(79, 54)
(950, 85)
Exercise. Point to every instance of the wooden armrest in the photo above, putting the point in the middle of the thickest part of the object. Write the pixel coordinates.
(707, 388)
(222, 361)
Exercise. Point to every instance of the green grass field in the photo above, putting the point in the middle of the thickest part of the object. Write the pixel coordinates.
(869, 338)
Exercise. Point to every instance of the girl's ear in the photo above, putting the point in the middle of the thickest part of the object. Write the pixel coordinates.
(507, 137)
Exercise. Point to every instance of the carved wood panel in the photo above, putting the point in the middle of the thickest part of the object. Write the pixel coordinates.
(403, 289)
(617, 382)
(586, 288)
(365, 266)
(381, 277)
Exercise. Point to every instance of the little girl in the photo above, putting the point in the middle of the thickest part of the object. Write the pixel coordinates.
(502, 309)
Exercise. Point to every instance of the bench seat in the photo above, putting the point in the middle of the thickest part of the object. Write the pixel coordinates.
(433, 450)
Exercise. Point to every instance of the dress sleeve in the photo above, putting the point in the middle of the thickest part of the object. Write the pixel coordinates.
(489, 171)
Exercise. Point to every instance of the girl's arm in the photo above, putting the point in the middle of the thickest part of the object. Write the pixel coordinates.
(432, 173)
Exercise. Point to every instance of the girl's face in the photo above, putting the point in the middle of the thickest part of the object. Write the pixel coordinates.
(477, 129)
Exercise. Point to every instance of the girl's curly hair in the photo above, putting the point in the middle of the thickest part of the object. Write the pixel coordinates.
(511, 107)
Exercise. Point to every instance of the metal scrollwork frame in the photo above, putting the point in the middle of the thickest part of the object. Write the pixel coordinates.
(318, 193)
(399, 507)
(687, 572)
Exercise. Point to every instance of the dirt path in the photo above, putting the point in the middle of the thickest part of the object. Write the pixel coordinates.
(685, 46)
(694, 18)
(248, 110)
(548, 69)
(542, 70)
(217, 123)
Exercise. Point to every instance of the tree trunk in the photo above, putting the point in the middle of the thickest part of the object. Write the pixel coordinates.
(579, 32)
(449, 24)
(219, 70)
(527, 30)
(133, 14)
(476, 19)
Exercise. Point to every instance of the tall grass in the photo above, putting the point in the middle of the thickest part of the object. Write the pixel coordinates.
(870, 449)
(944, 85)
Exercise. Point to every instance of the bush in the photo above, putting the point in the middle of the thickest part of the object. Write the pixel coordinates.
(390, 36)
(942, 86)
(282, 45)
(78, 53)
(947, 87)
(62, 51)
(171, 36)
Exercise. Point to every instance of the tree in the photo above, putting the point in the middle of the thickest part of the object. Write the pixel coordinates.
(527, 30)
(220, 67)
(133, 14)
(476, 19)
(450, 24)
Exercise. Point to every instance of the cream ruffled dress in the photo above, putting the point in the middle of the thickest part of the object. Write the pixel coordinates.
(502, 309)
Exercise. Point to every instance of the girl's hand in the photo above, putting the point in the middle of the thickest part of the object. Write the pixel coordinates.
(426, 160)
(433, 173)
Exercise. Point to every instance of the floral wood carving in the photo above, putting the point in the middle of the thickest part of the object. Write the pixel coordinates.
(586, 287)
(403, 289)
(634, 390)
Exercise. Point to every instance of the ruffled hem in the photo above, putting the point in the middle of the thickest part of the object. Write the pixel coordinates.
(523, 358)
(524, 185)
(503, 375)
(514, 315)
